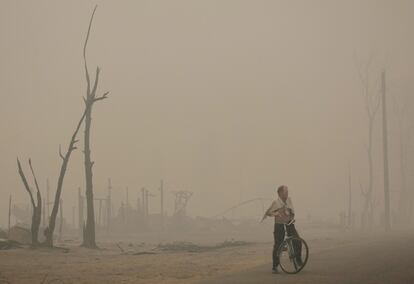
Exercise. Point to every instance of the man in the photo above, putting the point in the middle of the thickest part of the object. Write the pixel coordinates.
(282, 210)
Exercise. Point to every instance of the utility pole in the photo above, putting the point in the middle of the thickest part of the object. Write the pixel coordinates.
(109, 206)
(127, 206)
(73, 217)
(47, 199)
(127, 196)
(146, 202)
(143, 201)
(162, 204)
(10, 202)
(350, 200)
(385, 145)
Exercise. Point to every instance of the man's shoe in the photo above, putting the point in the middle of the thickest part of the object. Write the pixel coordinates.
(274, 270)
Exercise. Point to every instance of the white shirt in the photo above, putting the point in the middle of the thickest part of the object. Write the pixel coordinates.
(278, 204)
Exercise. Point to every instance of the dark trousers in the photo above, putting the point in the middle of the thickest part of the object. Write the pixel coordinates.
(279, 236)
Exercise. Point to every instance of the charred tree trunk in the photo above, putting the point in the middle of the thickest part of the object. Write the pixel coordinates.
(385, 152)
(37, 208)
(89, 230)
(65, 160)
(61, 220)
(400, 108)
(81, 207)
(372, 102)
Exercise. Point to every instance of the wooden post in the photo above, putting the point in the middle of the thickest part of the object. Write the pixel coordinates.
(47, 199)
(108, 206)
(143, 201)
(385, 152)
(162, 204)
(350, 201)
(127, 196)
(73, 217)
(123, 212)
(139, 210)
(146, 203)
(10, 202)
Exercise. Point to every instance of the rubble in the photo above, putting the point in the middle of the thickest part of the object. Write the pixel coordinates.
(9, 244)
(3, 234)
(20, 234)
(191, 247)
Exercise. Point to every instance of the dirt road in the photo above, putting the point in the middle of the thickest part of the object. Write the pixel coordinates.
(385, 258)
(335, 257)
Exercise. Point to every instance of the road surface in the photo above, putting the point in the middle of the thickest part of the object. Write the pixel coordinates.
(386, 258)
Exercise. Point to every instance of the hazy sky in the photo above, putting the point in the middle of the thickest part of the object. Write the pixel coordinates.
(228, 99)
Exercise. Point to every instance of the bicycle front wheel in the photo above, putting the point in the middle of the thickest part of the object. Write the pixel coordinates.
(293, 255)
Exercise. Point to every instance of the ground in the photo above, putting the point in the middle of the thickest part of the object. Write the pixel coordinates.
(335, 257)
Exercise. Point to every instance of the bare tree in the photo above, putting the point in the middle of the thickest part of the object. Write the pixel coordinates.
(91, 98)
(387, 219)
(65, 160)
(37, 208)
(400, 109)
(372, 103)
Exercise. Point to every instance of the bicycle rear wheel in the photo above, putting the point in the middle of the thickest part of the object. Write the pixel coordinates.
(293, 254)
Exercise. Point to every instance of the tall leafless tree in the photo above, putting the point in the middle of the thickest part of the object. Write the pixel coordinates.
(387, 209)
(372, 103)
(65, 160)
(400, 109)
(37, 208)
(90, 99)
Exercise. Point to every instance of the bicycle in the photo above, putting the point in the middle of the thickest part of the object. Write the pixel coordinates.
(293, 253)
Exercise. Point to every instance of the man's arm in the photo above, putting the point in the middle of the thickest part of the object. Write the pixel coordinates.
(268, 211)
(272, 211)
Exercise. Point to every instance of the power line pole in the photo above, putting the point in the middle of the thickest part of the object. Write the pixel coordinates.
(162, 204)
(385, 145)
(10, 204)
(350, 200)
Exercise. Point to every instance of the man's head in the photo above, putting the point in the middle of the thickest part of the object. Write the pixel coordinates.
(282, 191)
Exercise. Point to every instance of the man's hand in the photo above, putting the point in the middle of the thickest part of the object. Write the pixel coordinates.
(275, 213)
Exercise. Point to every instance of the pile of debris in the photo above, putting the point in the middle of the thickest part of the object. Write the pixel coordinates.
(191, 247)
(20, 235)
(232, 243)
(182, 246)
(3, 234)
(9, 244)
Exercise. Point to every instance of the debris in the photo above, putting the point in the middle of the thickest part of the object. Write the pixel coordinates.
(232, 243)
(20, 234)
(122, 250)
(182, 246)
(129, 252)
(9, 244)
(3, 234)
(190, 247)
